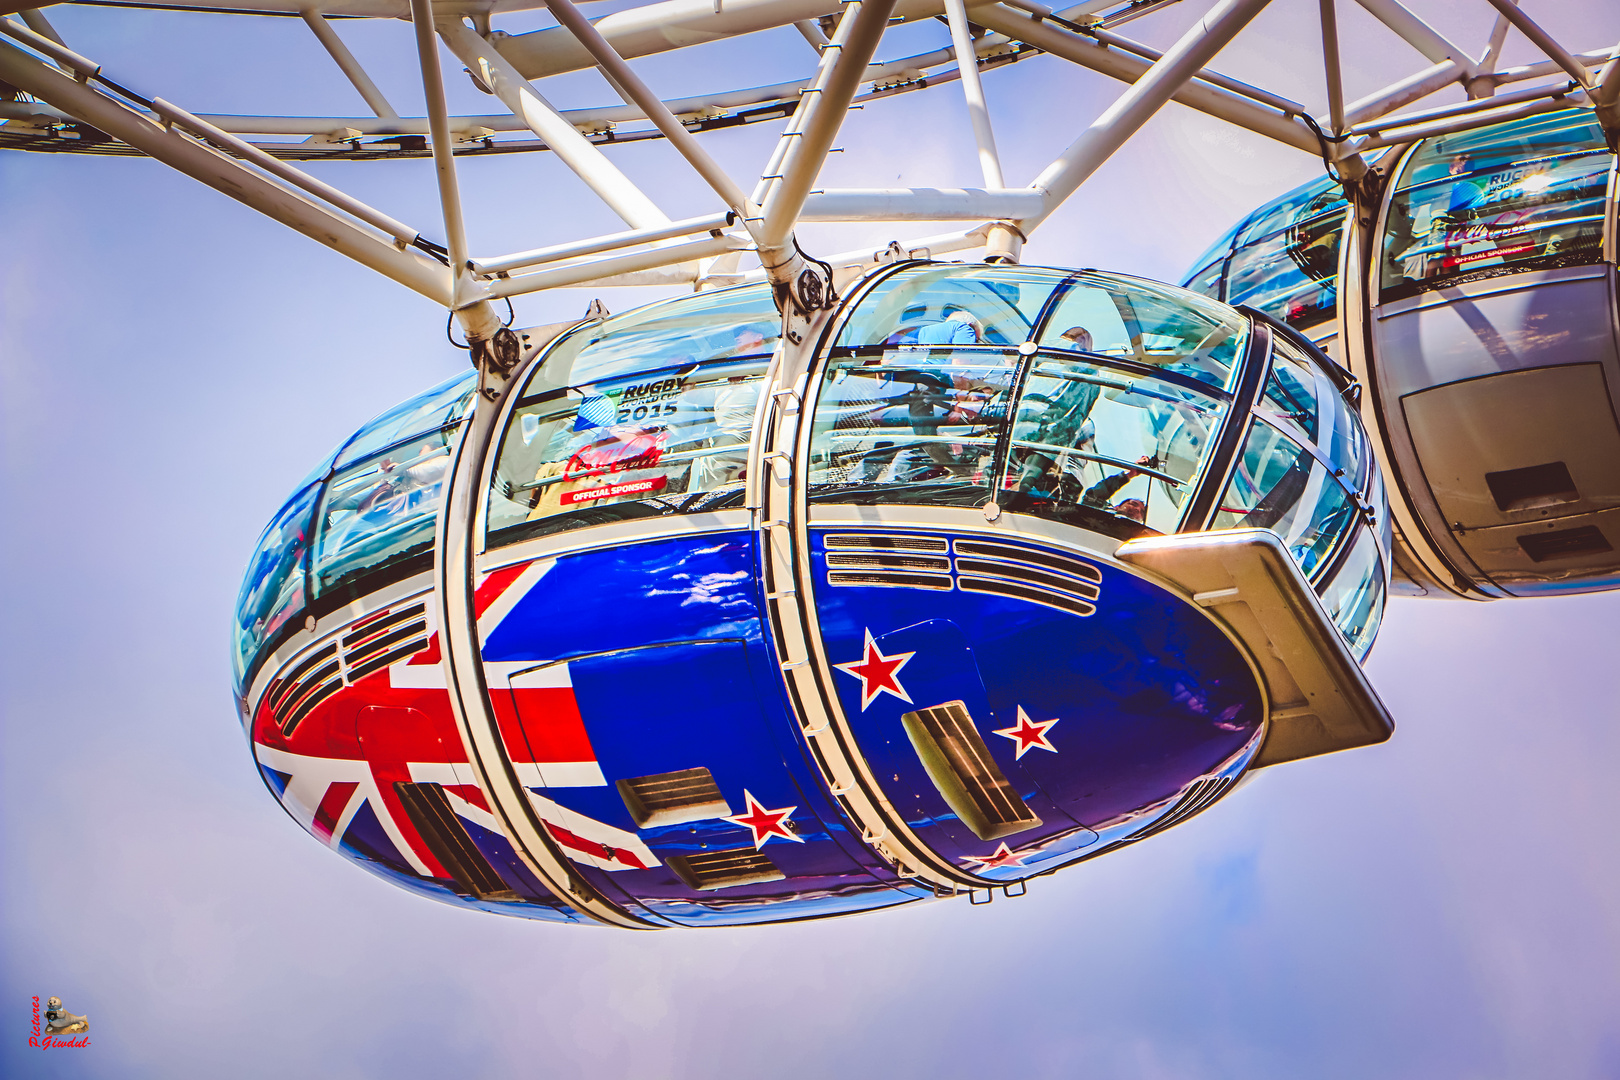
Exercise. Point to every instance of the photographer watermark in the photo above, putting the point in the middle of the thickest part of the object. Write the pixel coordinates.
(61, 1027)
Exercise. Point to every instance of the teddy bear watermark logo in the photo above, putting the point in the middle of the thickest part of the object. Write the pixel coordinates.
(61, 1028)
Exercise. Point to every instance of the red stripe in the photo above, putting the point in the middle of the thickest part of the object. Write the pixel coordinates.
(468, 793)
(591, 847)
(331, 808)
(549, 717)
(494, 585)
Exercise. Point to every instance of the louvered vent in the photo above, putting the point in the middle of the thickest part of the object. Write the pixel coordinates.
(898, 562)
(383, 640)
(673, 798)
(882, 542)
(1197, 798)
(960, 765)
(1041, 577)
(429, 810)
(316, 678)
(724, 869)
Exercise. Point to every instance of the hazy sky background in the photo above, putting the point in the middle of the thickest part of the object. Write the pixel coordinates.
(1439, 906)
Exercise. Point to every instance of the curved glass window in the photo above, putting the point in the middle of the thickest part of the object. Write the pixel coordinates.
(726, 323)
(442, 405)
(379, 515)
(1284, 258)
(1170, 329)
(1095, 437)
(273, 590)
(1291, 388)
(670, 441)
(1354, 598)
(1518, 196)
(952, 305)
(911, 425)
(1278, 484)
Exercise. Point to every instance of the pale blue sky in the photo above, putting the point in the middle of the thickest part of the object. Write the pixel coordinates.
(1439, 906)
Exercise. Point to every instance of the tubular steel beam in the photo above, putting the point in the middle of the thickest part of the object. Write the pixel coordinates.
(224, 174)
(1330, 66)
(348, 64)
(921, 204)
(690, 226)
(823, 112)
(1145, 97)
(635, 92)
(635, 261)
(578, 152)
(1419, 34)
(1543, 41)
(444, 162)
(1081, 50)
(973, 91)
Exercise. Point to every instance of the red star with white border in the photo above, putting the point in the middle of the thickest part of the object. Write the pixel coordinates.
(765, 823)
(878, 673)
(1029, 734)
(1001, 857)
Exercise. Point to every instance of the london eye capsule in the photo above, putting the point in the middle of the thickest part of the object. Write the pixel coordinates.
(1479, 272)
(1022, 565)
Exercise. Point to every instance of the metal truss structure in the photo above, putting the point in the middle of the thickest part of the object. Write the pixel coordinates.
(52, 98)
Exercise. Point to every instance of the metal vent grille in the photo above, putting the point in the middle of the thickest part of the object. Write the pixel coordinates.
(429, 810)
(316, 678)
(986, 549)
(982, 566)
(725, 869)
(1197, 798)
(673, 798)
(383, 640)
(1052, 598)
(880, 542)
(960, 765)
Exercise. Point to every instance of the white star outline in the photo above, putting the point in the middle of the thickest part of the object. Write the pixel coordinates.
(1025, 724)
(868, 651)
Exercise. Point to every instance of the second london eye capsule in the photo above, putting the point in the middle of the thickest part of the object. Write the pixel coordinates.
(1031, 564)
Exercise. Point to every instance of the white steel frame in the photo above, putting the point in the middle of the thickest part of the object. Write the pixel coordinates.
(249, 157)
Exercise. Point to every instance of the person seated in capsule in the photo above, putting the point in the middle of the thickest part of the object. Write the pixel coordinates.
(937, 400)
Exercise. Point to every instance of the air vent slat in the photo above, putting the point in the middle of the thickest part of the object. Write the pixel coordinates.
(1080, 590)
(362, 635)
(429, 810)
(1014, 553)
(394, 656)
(892, 579)
(959, 763)
(313, 693)
(1051, 598)
(673, 798)
(711, 870)
(292, 683)
(877, 542)
(922, 563)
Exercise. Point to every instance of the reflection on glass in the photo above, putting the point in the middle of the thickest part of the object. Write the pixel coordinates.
(273, 591)
(911, 425)
(441, 406)
(1096, 437)
(674, 441)
(951, 305)
(380, 510)
(1285, 258)
(1278, 485)
(1171, 329)
(1291, 389)
(1528, 194)
(1355, 597)
(726, 323)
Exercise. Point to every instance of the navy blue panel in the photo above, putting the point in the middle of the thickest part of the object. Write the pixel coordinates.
(673, 707)
(641, 594)
(1147, 692)
(498, 850)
